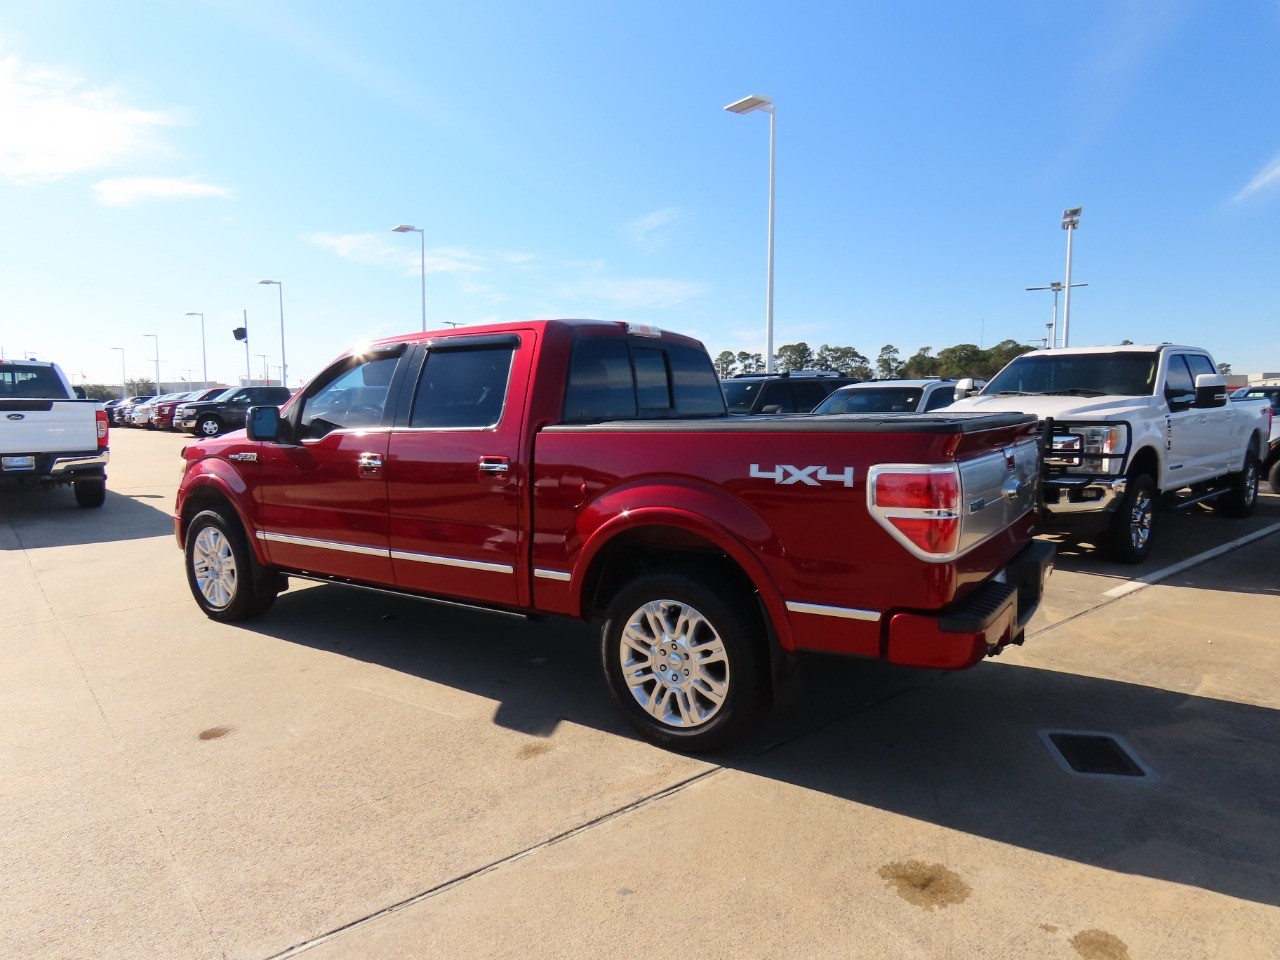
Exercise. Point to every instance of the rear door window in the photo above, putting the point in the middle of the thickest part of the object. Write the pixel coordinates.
(463, 388)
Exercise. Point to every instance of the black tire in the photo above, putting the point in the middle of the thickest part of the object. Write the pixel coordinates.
(1243, 496)
(91, 492)
(1273, 477)
(223, 575)
(1129, 535)
(208, 426)
(726, 690)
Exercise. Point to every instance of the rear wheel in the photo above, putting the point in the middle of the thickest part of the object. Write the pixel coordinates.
(685, 659)
(1128, 535)
(1273, 477)
(1243, 495)
(223, 577)
(91, 492)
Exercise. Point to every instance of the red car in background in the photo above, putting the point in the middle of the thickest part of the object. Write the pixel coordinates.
(162, 413)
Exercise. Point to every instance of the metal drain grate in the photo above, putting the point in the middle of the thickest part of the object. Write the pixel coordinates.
(1094, 754)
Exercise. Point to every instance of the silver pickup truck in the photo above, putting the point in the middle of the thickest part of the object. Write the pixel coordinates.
(49, 436)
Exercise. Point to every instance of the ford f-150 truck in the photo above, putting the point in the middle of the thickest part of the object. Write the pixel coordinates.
(1134, 428)
(589, 469)
(48, 436)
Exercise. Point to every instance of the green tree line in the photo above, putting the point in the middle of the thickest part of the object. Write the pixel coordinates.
(961, 360)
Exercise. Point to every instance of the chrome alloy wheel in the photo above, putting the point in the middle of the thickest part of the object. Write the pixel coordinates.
(1250, 481)
(674, 663)
(214, 567)
(1141, 512)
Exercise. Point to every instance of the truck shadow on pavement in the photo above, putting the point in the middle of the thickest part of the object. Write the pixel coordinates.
(50, 518)
(961, 751)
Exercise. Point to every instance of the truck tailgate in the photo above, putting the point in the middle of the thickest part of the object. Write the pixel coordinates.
(47, 426)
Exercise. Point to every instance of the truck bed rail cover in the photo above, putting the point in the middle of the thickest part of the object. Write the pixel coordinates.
(803, 423)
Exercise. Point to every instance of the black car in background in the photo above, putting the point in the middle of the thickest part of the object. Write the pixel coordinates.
(798, 392)
(226, 411)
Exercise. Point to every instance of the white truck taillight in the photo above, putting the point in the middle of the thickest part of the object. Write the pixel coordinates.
(919, 505)
(102, 429)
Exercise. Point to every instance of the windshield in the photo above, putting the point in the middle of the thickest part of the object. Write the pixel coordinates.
(872, 400)
(740, 394)
(1086, 375)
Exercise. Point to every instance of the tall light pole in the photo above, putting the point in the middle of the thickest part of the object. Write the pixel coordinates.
(407, 228)
(124, 379)
(284, 367)
(156, 337)
(765, 105)
(1070, 221)
(1056, 286)
(204, 355)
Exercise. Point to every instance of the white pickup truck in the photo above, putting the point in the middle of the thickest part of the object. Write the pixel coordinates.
(1133, 428)
(48, 436)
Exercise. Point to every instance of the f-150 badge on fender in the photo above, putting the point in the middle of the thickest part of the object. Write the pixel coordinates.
(784, 474)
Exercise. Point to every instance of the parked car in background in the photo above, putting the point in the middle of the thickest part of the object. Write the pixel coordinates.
(793, 392)
(1134, 429)
(110, 405)
(890, 396)
(224, 412)
(162, 410)
(140, 415)
(49, 436)
(1271, 462)
(123, 413)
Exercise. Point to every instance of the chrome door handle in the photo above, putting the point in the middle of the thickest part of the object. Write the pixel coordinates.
(369, 464)
(494, 465)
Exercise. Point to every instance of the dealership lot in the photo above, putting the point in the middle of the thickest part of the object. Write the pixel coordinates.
(357, 775)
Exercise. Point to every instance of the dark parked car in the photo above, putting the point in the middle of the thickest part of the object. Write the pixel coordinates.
(162, 411)
(226, 411)
(799, 392)
(1271, 462)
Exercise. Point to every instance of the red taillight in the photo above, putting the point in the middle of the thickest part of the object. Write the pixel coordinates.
(919, 506)
(102, 429)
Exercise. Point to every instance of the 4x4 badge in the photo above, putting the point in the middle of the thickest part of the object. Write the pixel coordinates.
(784, 474)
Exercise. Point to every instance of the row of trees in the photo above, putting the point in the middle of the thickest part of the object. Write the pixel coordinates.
(962, 360)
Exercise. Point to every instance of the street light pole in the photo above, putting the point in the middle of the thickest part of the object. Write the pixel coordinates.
(204, 355)
(409, 228)
(284, 367)
(765, 105)
(156, 337)
(1056, 287)
(124, 379)
(1070, 221)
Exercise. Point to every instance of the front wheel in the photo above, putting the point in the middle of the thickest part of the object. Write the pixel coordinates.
(1242, 496)
(209, 426)
(685, 660)
(1128, 535)
(221, 572)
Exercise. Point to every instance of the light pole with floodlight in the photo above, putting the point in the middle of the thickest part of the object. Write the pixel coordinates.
(1056, 286)
(124, 377)
(156, 337)
(765, 105)
(1070, 221)
(204, 355)
(408, 228)
(284, 367)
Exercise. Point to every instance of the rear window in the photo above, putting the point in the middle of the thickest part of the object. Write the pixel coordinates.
(872, 400)
(18, 381)
(612, 379)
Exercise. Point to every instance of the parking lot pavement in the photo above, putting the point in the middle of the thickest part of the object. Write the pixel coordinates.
(362, 776)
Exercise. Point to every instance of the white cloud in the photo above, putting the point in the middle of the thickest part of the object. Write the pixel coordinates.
(651, 293)
(379, 251)
(654, 229)
(1268, 177)
(126, 191)
(53, 124)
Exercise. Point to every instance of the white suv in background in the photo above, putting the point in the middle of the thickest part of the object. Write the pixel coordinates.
(890, 396)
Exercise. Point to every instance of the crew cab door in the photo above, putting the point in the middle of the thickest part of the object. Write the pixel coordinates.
(323, 497)
(1189, 435)
(456, 474)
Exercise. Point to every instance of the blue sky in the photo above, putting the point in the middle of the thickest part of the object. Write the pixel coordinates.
(574, 159)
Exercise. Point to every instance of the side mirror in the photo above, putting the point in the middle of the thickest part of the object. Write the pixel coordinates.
(965, 388)
(772, 408)
(1211, 390)
(263, 423)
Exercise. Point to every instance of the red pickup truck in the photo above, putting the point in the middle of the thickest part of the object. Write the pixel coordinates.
(589, 469)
